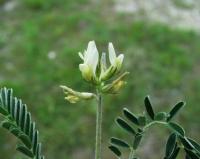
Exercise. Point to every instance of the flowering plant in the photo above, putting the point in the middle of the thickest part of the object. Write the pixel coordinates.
(95, 71)
(105, 80)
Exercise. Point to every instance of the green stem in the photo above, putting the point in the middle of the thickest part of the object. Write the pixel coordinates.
(132, 154)
(153, 123)
(98, 127)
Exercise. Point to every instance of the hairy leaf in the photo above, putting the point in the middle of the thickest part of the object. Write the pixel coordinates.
(3, 111)
(25, 139)
(137, 140)
(186, 143)
(171, 145)
(25, 151)
(175, 110)
(195, 145)
(15, 131)
(191, 154)
(123, 124)
(149, 108)
(115, 150)
(130, 116)
(119, 142)
(175, 153)
(177, 128)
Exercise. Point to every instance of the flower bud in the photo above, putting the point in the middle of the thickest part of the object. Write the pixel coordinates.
(72, 99)
(116, 85)
(74, 96)
(113, 88)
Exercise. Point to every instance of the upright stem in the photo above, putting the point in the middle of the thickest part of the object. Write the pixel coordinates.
(98, 127)
(132, 154)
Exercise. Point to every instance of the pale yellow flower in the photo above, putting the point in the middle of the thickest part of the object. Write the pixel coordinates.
(90, 59)
(74, 96)
(115, 61)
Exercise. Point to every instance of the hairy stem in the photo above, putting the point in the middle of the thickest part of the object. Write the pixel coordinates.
(132, 154)
(98, 127)
(153, 123)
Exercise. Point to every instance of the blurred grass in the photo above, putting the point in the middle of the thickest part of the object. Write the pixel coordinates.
(163, 62)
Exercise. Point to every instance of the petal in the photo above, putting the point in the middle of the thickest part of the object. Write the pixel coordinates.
(120, 58)
(90, 48)
(86, 95)
(83, 67)
(86, 71)
(92, 56)
(103, 62)
(67, 89)
(72, 99)
(112, 54)
(81, 55)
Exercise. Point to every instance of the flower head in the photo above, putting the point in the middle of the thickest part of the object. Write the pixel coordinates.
(90, 59)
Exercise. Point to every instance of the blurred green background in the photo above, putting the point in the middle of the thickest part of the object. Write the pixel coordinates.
(39, 45)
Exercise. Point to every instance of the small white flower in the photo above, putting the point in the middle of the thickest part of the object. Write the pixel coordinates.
(90, 61)
(115, 61)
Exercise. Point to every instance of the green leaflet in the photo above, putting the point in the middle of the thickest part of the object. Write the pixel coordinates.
(130, 116)
(175, 153)
(171, 145)
(195, 145)
(25, 139)
(15, 131)
(27, 123)
(191, 154)
(175, 110)
(177, 128)
(124, 125)
(25, 151)
(186, 143)
(149, 108)
(3, 111)
(115, 150)
(119, 142)
(7, 124)
(35, 142)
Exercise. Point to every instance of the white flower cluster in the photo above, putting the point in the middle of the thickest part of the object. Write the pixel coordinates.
(94, 70)
(91, 63)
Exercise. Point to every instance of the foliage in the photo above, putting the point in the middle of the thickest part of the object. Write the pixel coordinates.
(17, 120)
(177, 139)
